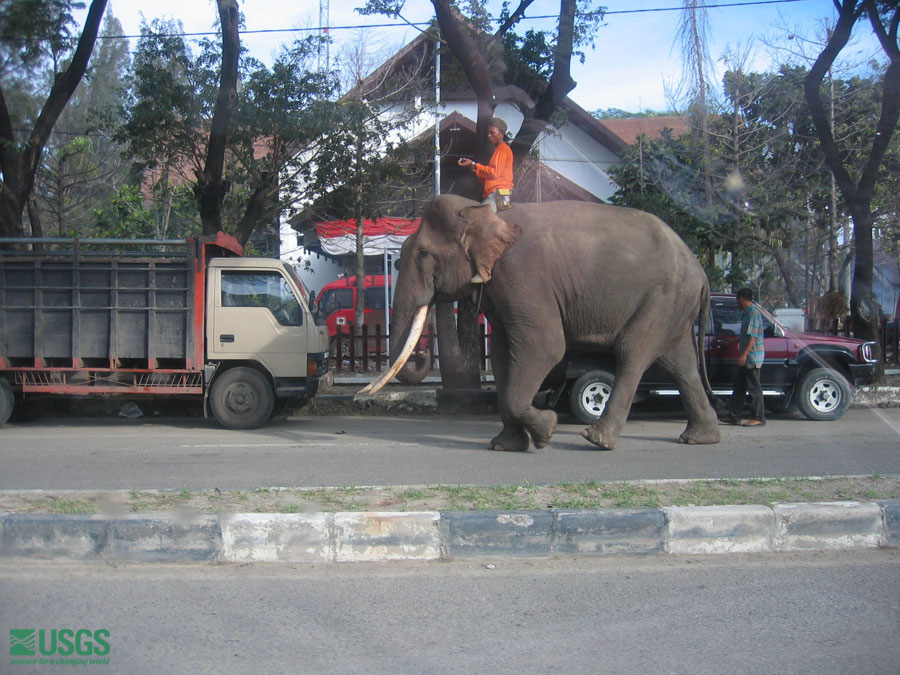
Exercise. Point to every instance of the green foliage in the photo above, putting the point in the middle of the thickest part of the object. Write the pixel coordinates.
(81, 166)
(168, 113)
(768, 213)
(33, 30)
(361, 160)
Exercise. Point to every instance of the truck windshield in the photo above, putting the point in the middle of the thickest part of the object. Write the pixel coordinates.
(304, 291)
(262, 289)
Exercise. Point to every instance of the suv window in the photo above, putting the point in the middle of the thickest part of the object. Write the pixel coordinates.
(726, 316)
(262, 289)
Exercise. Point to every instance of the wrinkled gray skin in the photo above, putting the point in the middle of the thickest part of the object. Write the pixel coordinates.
(558, 275)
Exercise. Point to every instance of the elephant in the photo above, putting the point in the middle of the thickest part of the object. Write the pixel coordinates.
(556, 275)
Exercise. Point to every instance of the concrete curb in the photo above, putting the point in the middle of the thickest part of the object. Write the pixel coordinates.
(433, 535)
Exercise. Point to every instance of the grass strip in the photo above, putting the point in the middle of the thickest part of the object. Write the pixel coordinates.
(566, 495)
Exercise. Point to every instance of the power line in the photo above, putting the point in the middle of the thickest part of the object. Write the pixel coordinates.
(407, 24)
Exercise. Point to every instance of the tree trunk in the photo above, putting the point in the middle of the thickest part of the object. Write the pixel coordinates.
(359, 311)
(858, 195)
(454, 364)
(210, 189)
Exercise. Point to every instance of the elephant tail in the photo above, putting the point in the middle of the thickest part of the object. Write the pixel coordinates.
(701, 341)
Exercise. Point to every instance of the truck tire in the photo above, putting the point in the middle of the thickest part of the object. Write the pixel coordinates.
(7, 401)
(241, 398)
(589, 395)
(823, 395)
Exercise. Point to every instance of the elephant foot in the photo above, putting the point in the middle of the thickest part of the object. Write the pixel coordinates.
(694, 436)
(510, 440)
(542, 430)
(596, 436)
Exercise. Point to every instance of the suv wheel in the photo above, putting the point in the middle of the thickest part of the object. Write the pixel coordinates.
(823, 395)
(589, 395)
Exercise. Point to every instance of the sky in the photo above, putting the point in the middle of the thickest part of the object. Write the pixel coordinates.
(635, 62)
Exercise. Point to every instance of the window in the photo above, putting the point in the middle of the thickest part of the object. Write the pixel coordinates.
(262, 289)
(727, 318)
(375, 298)
(335, 299)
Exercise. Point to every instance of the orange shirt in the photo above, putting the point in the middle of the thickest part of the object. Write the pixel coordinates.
(499, 173)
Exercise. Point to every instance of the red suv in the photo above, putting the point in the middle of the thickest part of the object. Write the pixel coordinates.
(815, 373)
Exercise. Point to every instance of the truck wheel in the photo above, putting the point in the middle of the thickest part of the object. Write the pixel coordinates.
(823, 395)
(7, 401)
(31, 409)
(589, 395)
(241, 398)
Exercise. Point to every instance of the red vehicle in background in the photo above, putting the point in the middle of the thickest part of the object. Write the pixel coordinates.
(336, 309)
(336, 303)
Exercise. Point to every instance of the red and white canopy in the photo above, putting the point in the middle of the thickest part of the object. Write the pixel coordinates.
(338, 237)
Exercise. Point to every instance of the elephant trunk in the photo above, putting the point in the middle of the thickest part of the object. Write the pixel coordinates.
(415, 332)
(416, 368)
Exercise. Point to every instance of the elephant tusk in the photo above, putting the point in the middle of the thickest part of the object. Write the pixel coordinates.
(415, 332)
(477, 279)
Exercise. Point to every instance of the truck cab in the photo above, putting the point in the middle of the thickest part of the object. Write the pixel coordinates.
(258, 319)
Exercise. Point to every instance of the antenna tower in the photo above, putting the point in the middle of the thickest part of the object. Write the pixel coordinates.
(324, 48)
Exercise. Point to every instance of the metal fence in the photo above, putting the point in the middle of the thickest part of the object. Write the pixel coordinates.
(348, 356)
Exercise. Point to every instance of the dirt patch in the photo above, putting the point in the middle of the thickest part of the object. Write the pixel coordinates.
(589, 495)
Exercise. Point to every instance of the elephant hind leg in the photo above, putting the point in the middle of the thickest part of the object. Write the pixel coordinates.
(681, 363)
(513, 438)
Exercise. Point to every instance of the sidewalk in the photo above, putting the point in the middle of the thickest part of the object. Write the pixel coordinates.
(442, 535)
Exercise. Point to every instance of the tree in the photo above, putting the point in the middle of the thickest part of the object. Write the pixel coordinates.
(81, 166)
(169, 114)
(358, 167)
(44, 27)
(858, 193)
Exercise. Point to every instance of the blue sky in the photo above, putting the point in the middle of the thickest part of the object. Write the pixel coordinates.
(635, 60)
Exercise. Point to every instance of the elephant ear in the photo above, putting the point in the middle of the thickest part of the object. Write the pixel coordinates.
(485, 238)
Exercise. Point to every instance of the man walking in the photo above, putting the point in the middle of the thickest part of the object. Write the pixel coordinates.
(750, 361)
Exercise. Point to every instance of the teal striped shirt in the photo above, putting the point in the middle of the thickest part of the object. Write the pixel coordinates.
(752, 326)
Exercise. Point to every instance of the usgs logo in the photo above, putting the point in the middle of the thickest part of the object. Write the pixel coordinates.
(62, 642)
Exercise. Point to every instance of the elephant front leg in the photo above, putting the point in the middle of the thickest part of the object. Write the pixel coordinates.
(523, 415)
(513, 437)
(519, 374)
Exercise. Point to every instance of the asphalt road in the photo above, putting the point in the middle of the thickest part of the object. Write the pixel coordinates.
(333, 451)
(816, 613)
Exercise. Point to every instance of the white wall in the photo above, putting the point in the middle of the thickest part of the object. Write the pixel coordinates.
(323, 270)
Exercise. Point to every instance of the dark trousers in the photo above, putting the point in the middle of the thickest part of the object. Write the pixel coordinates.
(747, 380)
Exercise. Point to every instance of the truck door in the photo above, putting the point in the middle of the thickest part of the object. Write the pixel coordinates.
(257, 317)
